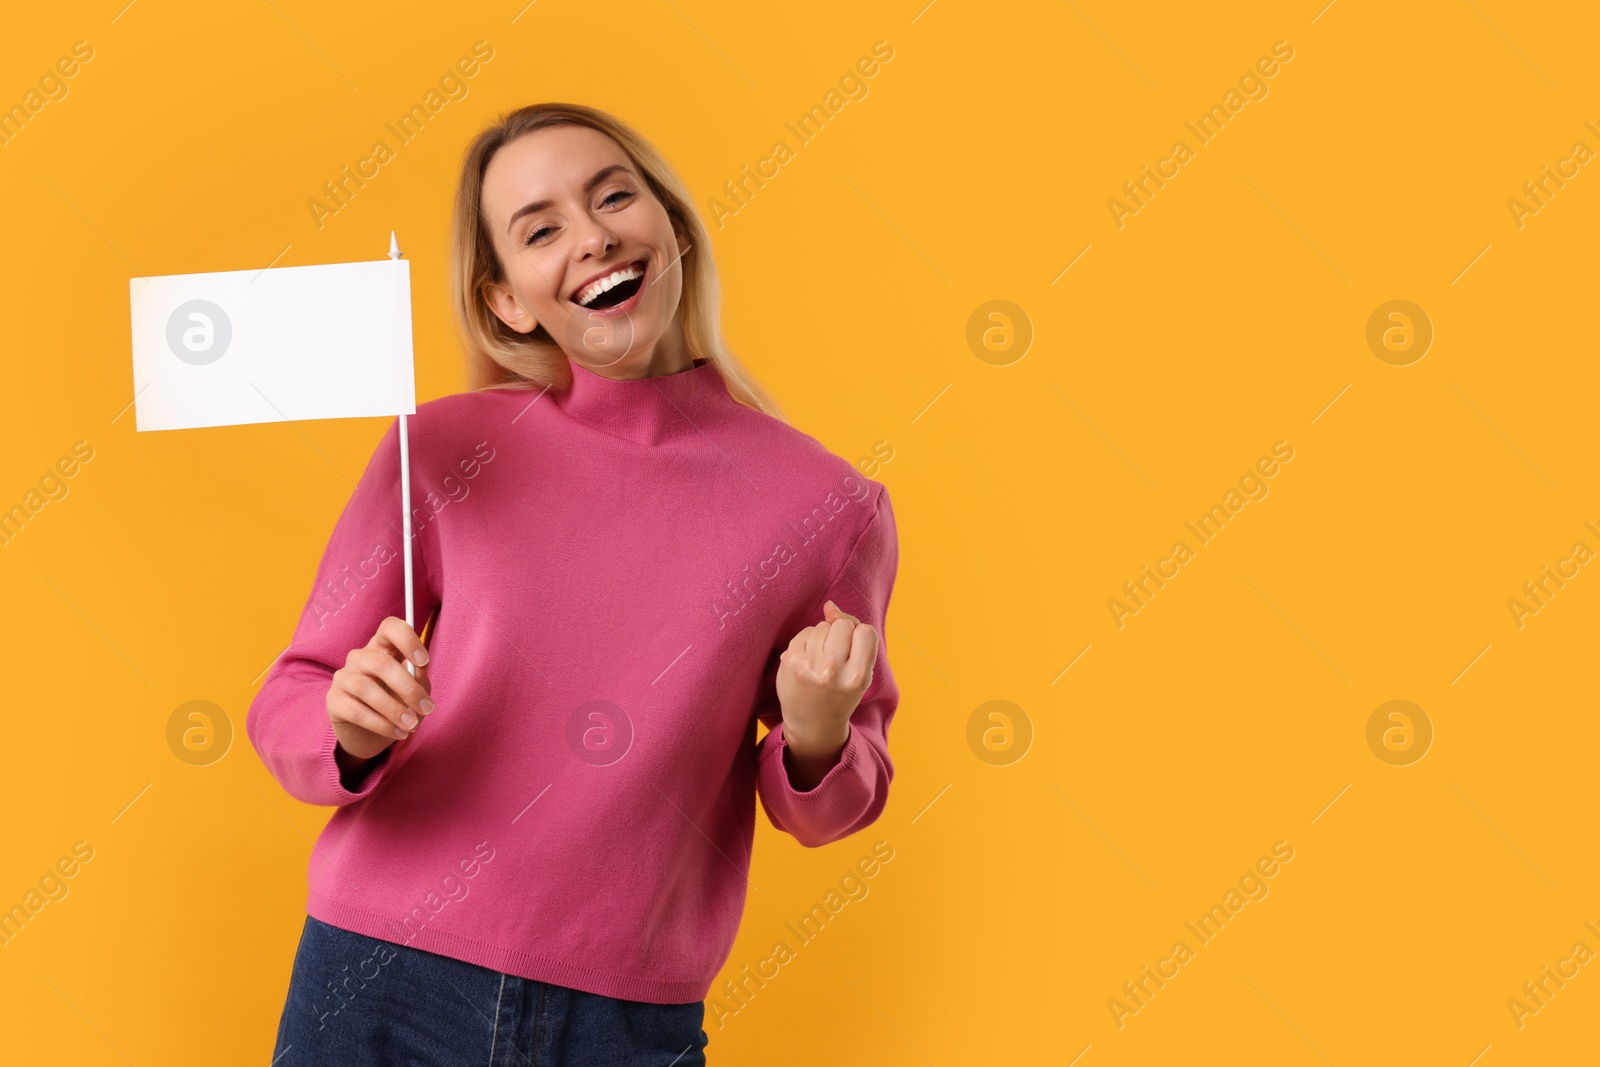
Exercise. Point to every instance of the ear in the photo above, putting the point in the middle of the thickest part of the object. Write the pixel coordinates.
(508, 309)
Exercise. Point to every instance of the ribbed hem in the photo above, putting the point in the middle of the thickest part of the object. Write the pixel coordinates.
(330, 768)
(817, 795)
(513, 961)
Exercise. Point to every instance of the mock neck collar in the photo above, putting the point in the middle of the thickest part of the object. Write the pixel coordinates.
(647, 411)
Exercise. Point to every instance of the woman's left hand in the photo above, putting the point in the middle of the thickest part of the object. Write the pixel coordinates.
(821, 679)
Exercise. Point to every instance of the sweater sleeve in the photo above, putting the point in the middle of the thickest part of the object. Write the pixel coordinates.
(359, 583)
(853, 792)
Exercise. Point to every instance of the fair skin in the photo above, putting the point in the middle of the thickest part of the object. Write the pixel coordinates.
(575, 231)
(565, 204)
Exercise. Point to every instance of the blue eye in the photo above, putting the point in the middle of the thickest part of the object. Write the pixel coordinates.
(619, 192)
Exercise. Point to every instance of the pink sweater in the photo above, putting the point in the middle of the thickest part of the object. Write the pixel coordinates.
(619, 567)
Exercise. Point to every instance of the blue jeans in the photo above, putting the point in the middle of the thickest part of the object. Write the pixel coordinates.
(356, 1000)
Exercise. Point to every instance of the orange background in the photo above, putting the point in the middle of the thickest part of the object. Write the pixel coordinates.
(1229, 313)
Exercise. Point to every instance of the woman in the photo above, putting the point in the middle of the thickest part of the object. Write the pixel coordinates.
(542, 837)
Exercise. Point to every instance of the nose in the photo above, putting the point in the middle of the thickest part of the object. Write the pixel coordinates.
(595, 239)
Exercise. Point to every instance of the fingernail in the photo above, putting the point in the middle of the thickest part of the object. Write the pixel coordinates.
(399, 733)
(408, 720)
(421, 656)
(426, 705)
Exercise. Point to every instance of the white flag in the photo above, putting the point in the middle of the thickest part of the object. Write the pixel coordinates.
(234, 347)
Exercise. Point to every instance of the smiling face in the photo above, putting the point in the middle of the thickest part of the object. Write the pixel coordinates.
(586, 250)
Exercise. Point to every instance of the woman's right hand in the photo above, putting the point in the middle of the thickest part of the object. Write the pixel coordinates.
(373, 702)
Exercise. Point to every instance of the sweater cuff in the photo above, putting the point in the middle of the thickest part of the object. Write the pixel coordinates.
(827, 811)
(335, 777)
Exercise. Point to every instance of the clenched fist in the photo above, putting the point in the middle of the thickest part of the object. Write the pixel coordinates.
(822, 676)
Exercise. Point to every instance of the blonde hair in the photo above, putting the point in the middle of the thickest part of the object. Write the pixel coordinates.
(498, 356)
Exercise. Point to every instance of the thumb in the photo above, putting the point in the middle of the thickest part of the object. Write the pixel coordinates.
(832, 612)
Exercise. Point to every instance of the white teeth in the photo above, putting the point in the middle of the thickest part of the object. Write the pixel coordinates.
(589, 292)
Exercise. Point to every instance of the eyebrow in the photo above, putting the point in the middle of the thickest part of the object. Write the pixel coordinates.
(539, 205)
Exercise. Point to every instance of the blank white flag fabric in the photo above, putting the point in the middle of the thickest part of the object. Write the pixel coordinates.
(233, 347)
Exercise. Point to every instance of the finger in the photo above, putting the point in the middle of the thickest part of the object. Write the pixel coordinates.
(366, 688)
(374, 695)
(836, 643)
(348, 709)
(401, 684)
(400, 641)
(863, 655)
(839, 612)
(815, 637)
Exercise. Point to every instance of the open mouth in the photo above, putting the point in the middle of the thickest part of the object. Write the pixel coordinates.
(615, 289)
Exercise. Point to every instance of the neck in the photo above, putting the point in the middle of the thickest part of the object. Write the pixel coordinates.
(669, 356)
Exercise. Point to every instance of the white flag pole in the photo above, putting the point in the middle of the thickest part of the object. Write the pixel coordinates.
(405, 493)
